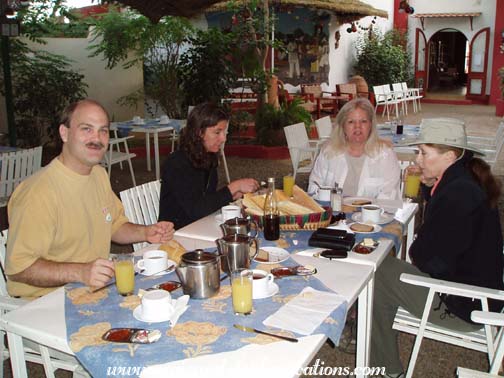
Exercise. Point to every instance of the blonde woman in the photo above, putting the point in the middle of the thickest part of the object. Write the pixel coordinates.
(356, 158)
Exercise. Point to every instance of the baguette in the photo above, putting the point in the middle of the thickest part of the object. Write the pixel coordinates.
(303, 199)
(292, 208)
(361, 202)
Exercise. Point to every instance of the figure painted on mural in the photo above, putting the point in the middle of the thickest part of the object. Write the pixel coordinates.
(293, 58)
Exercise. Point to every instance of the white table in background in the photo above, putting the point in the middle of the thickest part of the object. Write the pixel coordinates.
(284, 359)
(153, 130)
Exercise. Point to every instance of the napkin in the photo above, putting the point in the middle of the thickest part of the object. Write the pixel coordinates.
(401, 215)
(305, 312)
(179, 307)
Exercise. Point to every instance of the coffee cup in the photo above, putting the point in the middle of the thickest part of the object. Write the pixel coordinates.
(261, 283)
(371, 214)
(136, 119)
(164, 119)
(153, 262)
(230, 212)
(323, 193)
(156, 304)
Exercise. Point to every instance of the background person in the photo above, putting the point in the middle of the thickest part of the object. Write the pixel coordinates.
(356, 158)
(63, 218)
(189, 179)
(460, 241)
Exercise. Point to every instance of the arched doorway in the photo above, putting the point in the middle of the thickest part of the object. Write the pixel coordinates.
(448, 64)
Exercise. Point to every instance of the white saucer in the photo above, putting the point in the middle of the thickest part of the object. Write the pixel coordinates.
(170, 263)
(164, 122)
(384, 218)
(273, 289)
(276, 255)
(137, 313)
(377, 228)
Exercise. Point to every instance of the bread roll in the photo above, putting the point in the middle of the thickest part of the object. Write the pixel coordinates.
(174, 249)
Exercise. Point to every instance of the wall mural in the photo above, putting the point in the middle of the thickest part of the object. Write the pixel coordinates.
(305, 36)
(304, 57)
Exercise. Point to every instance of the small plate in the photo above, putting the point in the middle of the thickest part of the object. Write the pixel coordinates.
(289, 271)
(273, 289)
(364, 249)
(384, 218)
(170, 263)
(350, 200)
(275, 255)
(137, 313)
(131, 335)
(377, 228)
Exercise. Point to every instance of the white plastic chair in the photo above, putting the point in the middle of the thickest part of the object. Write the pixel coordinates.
(15, 167)
(414, 95)
(385, 100)
(141, 205)
(392, 99)
(493, 319)
(491, 146)
(324, 127)
(7, 303)
(300, 147)
(118, 151)
(400, 95)
(483, 340)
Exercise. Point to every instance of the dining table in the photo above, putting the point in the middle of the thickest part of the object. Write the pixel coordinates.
(154, 127)
(282, 358)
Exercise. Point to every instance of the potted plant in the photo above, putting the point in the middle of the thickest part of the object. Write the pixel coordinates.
(499, 105)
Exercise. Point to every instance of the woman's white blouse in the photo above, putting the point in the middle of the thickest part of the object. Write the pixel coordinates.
(380, 176)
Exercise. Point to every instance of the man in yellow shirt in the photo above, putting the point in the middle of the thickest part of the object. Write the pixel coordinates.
(63, 218)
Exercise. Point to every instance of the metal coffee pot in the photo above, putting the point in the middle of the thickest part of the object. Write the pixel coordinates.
(241, 226)
(199, 273)
(235, 251)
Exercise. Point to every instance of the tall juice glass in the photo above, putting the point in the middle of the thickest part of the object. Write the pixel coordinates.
(241, 287)
(288, 185)
(124, 273)
(412, 184)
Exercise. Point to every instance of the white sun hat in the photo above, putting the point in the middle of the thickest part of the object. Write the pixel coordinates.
(446, 131)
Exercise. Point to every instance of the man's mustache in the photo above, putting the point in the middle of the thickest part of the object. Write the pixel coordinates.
(95, 145)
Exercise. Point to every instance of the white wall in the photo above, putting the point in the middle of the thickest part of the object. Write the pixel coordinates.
(341, 60)
(104, 85)
(462, 24)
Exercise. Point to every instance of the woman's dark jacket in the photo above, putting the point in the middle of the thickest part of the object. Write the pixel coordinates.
(188, 193)
(460, 239)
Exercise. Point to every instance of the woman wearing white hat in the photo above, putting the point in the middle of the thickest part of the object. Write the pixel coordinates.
(460, 240)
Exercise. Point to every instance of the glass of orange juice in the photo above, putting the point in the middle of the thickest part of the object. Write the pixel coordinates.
(124, 273)
(412, 182)
(241, 288)
(288, 185)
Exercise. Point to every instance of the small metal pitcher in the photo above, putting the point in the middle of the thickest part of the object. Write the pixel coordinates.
(235, 251)
(199, 273)
(243, 226)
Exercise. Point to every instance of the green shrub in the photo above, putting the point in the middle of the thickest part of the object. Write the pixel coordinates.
(383, 59)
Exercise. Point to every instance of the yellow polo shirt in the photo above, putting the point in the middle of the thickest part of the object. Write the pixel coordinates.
(59, 215)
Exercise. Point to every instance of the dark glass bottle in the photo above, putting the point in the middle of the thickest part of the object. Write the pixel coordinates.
(271, 224)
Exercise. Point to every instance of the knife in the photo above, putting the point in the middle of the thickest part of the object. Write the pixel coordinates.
(136, 273)
(253, 330)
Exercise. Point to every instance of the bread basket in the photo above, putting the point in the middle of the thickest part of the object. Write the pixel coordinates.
(304, 214)
(310, 221)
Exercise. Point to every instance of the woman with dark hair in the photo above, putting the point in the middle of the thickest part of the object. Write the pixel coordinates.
(459, 241)
(189, 179)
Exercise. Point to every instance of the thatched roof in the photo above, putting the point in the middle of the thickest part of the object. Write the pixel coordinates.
(353, 9)
(155, 9)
